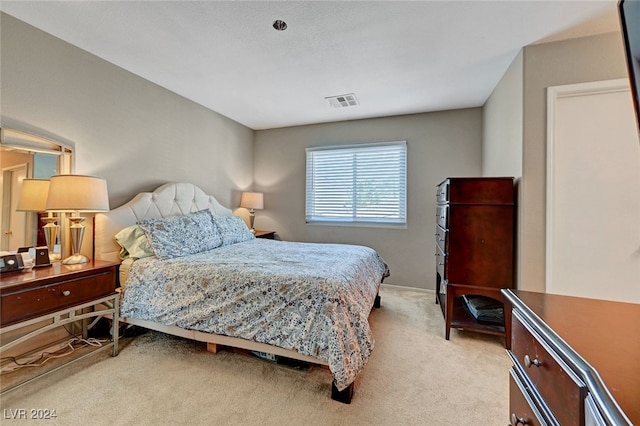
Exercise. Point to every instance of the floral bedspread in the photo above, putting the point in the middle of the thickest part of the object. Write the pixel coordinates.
(311, 298)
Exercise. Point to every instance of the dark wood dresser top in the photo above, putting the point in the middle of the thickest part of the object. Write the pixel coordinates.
(14, 280)
(605, 334)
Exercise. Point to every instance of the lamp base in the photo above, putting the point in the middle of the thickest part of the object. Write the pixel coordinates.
(252, 218)
(50, 232)
(75, 259)
(77, 232)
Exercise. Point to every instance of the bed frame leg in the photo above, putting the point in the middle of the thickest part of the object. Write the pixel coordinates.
(212, 347)
(376, 302)
(343, 396)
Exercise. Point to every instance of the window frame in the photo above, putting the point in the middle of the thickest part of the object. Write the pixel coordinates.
(354, 220)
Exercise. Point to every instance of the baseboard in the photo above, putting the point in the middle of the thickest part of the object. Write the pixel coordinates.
(400, 287)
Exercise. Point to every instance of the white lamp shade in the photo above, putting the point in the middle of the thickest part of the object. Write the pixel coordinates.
(77, 193)
(33, 195)
(252, 200)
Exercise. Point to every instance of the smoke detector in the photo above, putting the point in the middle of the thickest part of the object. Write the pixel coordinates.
(343, 101)
(279, 25)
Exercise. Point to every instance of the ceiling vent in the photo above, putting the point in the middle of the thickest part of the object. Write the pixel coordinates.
(343, 101)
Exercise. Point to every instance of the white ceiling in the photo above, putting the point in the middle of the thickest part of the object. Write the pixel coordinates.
(397, 57)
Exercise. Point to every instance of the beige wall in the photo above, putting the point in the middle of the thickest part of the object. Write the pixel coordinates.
(564, 62)
(502, 125)
(439, 144)
(132, 132)
(572, 61)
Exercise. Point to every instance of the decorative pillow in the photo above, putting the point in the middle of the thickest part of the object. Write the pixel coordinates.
(177, 236)
(134, 243)
(233, 229)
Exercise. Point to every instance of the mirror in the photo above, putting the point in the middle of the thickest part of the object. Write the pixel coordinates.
(26, 156)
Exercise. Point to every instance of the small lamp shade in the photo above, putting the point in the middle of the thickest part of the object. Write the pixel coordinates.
(77, 193)
(33, 198)
(252, 200)
(33, 195)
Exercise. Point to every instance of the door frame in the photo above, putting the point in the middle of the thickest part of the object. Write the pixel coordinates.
(7, 205)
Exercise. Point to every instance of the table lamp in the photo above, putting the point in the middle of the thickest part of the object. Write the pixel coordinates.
(251, 201)
(77, 194)
(33, 198)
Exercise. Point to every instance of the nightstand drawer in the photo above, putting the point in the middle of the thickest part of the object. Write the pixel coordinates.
(559, 387)
(27, 303)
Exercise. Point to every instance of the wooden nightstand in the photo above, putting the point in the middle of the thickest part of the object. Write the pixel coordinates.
(46, 298)
(269, 235)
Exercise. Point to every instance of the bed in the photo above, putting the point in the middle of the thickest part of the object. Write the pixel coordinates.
(220, 285)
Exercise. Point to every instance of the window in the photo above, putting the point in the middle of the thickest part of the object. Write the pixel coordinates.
(357, 184)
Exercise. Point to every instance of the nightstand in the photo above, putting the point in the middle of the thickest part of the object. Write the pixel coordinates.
(46, 298)
(269, 235)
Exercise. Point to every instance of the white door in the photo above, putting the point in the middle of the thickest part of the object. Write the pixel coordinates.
(593, 192)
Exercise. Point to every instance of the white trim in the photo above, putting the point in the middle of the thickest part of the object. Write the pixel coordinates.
(355, 145)
(402, 287)
(553, 94)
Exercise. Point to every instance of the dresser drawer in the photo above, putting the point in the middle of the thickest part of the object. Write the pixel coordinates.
(441, 263)
(522, 409)
(441, 238)
(562, 391)
(442, 192)
(441, 216)
(480, 190)
(27, 303)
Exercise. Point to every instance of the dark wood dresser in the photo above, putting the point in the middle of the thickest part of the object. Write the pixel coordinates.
(474, 247)
(575, 360)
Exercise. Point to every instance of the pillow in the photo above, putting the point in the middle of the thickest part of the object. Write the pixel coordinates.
(134, 243)
(177, 236)
(233, 229)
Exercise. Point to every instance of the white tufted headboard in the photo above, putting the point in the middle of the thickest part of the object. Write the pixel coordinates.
(170, 199)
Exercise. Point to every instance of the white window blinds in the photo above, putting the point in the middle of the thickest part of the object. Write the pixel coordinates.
(357, 184)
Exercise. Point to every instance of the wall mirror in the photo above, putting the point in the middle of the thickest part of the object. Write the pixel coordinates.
(24, 155)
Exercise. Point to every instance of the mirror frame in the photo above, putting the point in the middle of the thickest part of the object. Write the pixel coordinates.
(12, 139)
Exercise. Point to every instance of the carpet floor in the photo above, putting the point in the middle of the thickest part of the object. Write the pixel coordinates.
(414, 377)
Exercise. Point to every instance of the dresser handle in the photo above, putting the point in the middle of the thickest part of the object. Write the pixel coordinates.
(66, 293)
(529, 362)
(517, 420)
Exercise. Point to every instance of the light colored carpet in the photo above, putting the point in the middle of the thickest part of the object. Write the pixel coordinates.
(414, 377)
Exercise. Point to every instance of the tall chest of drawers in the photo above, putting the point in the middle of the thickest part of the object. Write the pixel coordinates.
(474, 247)
(574, 360)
